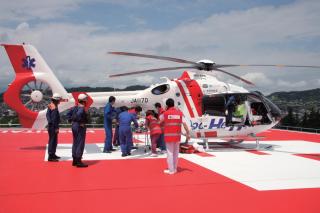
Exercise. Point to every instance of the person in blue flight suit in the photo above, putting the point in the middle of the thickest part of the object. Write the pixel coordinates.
(135, 111)
(53, 118)
(116, 141)
(79, 118)
(125, 133)
(109, 115)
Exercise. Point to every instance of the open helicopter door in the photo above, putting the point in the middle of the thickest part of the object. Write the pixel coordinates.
(249, 109)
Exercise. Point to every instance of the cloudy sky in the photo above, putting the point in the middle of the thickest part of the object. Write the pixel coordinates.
(74, 36)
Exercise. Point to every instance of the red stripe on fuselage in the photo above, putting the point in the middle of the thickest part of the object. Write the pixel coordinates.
(198, 135)
(185, 98)
(195, 93)
(210, 134)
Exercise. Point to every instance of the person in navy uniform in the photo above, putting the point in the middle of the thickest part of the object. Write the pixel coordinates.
(79, 118)
(53, 118)
(116, 141)
(109, 115)
(135, 111)
(125, 133)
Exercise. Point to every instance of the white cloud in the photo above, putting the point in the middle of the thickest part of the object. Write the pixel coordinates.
(258, 78)
(77, 53)
(16, 10)
(22, 26)
(288, 84)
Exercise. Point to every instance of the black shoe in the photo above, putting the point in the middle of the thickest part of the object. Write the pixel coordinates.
(134, 147)
(74, 162)
(81, 165)
(129, 153)
(123, 155)
(107, 151)
(53, 160)
(56, 157)
(113, 150)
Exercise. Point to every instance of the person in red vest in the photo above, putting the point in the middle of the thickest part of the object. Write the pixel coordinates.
(153, 125)
(172, 120)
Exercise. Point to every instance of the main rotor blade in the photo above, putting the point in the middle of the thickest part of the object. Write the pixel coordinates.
(151, 70)
(235, 76)
(178, 60)
(262, 65)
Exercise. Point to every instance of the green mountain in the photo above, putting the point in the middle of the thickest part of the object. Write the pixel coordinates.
(299, 101)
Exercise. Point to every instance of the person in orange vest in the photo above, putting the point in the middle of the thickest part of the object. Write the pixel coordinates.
(161, 144)
(172, 120)
(153, 125)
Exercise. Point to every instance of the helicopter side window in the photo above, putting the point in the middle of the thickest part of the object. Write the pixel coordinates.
(213, 105)
(159, 90)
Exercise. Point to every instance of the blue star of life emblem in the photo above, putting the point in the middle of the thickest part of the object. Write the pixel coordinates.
(29, 62)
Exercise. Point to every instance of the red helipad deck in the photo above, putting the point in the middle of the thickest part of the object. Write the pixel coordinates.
(285, 178)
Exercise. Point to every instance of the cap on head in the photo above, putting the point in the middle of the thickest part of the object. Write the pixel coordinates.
(82, 97)
(56, 96)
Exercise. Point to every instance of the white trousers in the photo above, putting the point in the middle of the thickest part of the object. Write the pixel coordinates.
(172, 156)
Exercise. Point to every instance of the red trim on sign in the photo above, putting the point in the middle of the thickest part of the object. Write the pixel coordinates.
(314, 156)
(185, 98)
(11, 97)
(204, 154)
(210, 134)
(253, 151)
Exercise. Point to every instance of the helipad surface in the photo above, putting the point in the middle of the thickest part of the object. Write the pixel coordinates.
(282, 176)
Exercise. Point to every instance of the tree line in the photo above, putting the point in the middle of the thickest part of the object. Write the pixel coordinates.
(308, 120)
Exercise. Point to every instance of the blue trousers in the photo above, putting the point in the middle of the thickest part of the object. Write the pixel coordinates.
(79, 137)
(53, 141)
(108, 140)
(125, 136)
(160, 143)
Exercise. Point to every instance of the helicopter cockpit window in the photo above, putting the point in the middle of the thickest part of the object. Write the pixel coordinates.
(159, 90)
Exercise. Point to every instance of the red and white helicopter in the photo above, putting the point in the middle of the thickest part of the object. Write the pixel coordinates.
(199, 95)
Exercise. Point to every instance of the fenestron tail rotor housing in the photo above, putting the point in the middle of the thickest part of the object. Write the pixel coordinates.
(35, 95)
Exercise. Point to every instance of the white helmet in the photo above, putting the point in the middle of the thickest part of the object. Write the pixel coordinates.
(82, 97)
(56, 96)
